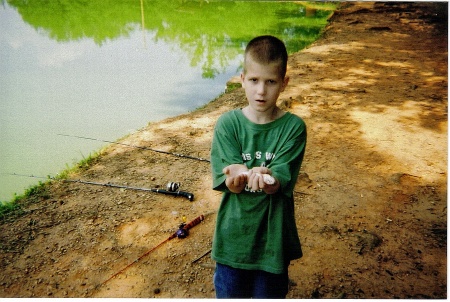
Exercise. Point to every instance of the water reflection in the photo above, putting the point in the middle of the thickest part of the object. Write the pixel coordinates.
(102, 69)
(211, 33)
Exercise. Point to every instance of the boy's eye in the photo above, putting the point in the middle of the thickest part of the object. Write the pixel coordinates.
(255, 80)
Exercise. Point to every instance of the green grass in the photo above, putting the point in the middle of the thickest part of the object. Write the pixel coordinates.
(10, 210)
(82, 165)
(232, 86)
(8, 207)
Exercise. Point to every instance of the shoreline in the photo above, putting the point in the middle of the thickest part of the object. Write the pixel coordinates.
(370, 200)
(230, 84)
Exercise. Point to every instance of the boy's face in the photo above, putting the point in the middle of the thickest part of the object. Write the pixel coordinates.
(263, 84)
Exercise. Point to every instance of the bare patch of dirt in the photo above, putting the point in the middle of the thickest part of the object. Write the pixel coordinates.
(371, 200)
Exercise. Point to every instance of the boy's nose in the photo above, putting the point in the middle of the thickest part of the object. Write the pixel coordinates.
(261, 89)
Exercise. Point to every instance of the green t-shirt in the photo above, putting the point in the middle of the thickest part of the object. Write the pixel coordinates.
(254, 230)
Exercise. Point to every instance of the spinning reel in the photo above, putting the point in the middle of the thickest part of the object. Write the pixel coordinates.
(173, 186)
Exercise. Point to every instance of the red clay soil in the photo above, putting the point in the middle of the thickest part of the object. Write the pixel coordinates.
(371, 199)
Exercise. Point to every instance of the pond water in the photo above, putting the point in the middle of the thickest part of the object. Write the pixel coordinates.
(105, 68)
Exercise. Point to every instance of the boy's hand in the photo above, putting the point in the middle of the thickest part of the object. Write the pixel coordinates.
(256, 181)
(235, 181)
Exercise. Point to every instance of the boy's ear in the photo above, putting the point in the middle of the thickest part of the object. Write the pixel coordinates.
(242, 79)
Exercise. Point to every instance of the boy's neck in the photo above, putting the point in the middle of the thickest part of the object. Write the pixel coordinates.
(262, 117)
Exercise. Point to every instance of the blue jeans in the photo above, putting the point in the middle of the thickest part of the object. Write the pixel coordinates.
(232, 282)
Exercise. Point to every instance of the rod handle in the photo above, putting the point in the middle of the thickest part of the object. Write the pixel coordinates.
(194, 222)
(188, 195)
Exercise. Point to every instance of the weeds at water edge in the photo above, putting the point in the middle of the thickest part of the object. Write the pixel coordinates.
(11, 210)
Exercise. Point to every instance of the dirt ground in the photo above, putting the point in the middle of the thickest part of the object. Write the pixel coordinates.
(371, 200)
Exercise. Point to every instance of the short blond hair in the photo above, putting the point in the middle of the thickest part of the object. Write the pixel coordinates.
(267, 49)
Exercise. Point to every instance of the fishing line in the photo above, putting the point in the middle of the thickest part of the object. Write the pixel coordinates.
(138, 147)
(268, 179)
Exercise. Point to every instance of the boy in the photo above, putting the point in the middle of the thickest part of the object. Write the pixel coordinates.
(256, 235)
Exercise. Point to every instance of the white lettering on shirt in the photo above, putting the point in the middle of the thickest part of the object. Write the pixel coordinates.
(258, 155)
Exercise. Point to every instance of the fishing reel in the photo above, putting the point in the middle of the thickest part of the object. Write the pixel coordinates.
(173, 189)
(182, 231)
(173, 186)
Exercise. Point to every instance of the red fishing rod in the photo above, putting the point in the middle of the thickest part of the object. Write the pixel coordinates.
(182, 232)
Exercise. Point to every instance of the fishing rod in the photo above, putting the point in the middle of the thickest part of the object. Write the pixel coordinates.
(138, 147)
(181, 233)
(172, 187)
(268, 179)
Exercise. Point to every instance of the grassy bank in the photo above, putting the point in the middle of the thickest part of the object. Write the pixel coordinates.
(14, 207)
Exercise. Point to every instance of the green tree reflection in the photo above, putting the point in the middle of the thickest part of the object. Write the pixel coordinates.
(211, 33)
